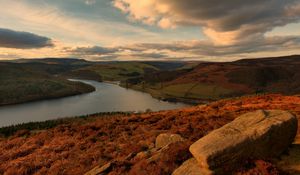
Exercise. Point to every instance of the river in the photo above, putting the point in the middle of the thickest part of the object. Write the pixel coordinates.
(108, 97)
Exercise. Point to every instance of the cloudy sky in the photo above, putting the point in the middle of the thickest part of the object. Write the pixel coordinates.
(214, 30)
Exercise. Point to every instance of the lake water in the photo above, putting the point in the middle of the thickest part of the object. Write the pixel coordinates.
(106, 98)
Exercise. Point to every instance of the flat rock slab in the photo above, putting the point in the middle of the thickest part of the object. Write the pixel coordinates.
(258, 135)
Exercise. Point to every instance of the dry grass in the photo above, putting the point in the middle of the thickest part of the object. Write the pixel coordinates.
(78, 147)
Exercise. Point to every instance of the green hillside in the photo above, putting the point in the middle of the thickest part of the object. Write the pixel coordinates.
(19, 84)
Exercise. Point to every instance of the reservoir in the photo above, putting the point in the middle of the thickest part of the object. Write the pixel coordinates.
(107, 98)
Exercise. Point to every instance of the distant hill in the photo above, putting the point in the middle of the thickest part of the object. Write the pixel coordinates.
(64, 61)
(212, 81)
(28, 82)
(46, 78)
(265, 75)
(191, 82)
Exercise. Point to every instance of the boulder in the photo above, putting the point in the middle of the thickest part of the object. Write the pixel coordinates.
(163, 140)
(257, 135)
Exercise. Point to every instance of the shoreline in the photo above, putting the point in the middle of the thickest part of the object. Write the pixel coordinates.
(172, 99)
(43, 99)
(90, 90)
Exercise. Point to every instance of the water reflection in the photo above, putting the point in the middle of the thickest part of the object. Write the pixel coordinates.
(106, 98)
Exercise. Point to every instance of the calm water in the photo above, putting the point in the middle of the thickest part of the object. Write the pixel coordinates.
(107, 97)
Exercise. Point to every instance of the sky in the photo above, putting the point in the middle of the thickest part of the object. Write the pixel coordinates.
(109, 30)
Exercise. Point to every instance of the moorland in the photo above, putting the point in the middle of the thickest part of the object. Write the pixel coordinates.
(75, 146)
(189, 82)
(126, 140)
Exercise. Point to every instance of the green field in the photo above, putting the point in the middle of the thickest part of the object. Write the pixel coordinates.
(185, 91)
(119, 71)
(196, 90)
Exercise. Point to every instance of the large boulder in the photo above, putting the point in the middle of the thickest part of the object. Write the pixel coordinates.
(163, 140)
(257, 135)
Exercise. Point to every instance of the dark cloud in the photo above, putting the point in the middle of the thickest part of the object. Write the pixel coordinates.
(95, 50)
(22, 40)
(189, 49)
(112, 53)
(149, 55)
(206, 48)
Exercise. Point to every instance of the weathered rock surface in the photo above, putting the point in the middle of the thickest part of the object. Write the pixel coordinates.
(189, 167)
(258, 135)
(163, 140)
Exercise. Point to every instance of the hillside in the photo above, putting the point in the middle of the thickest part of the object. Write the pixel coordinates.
(46, 78)
(78, 146)
(213, 81)
(190, 82)
(29, 82)
(122, 71)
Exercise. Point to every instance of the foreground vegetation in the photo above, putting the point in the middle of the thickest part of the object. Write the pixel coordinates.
(125, 140)
(25, 128)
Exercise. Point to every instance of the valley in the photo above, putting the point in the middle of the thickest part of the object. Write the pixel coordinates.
(188, 82)
(123, 139)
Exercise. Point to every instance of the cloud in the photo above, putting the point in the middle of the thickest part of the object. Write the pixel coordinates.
(206, 48)
(187, 50)
(94, 50)
(224, 22)
(71, 26)
(22, 40)
(114, 53)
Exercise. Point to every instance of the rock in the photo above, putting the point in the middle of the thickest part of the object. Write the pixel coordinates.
(258, 135)
(189, 167)
(100, 170)
(163, 140)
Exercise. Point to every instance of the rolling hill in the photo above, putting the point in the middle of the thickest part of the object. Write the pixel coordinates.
(29, 82)
(191, 82)
(213, 81)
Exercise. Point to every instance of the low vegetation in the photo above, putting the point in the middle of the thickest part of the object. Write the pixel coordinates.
(43, 125)
(76, 147)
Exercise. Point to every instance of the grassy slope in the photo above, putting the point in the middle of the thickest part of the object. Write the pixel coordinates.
(76, 147)
(38, 84)
(118, 71)
(212, 81)
(20, 83)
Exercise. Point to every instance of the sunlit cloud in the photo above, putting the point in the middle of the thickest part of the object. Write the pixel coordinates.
(224, 22)
(191, 50)
(149, 29)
